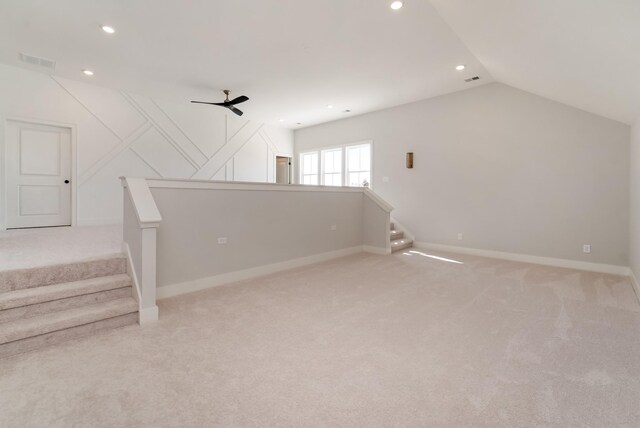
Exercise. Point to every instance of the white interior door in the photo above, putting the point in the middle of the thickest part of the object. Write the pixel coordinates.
(38, 166)
(283, 166)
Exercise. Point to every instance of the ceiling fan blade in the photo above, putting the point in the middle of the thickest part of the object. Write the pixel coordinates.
(235, 110)
(213, 104)
(204, 102)
(238, 100)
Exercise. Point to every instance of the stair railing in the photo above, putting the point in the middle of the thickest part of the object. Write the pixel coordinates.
(141, 221)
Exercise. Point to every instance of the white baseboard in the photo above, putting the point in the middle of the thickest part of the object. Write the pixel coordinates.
(225, 278)
(376, 250)
(636, 285)
(525, 258)
(148, 315)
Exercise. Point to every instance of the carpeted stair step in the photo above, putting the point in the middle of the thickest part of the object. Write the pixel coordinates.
(20, 279)
(65, 321)
(37, 301)
(396, 234)
(59, 336)
(401, 244)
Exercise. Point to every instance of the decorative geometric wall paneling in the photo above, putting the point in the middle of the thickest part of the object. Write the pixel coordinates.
(146, 137)
(168, 129)
(228, 151)
(149, 131)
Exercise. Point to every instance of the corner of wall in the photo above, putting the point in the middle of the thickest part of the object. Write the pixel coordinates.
(634, 202)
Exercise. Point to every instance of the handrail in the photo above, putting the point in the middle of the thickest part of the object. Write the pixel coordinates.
(143, 203)
(246, 185)
(140, 243)
(377, 199)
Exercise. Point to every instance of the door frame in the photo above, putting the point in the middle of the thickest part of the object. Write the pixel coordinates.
(4, 121)
(275, 166)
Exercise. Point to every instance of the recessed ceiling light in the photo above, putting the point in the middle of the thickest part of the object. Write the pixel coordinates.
(108, 29)
(88, 72)
(460, 67)
(298, 123)
(281, 120)
(329, 106)
(396, 5)
(347, 111)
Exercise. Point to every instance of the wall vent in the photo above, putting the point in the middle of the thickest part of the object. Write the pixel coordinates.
(471, 79)
(37, 61)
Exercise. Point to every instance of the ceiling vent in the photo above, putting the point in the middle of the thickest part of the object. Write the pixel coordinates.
(37, 61)
(471, 79)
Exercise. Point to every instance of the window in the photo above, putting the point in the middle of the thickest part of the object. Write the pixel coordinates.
(359, 165)
(309, 170)
(348, 165)
(332, 167)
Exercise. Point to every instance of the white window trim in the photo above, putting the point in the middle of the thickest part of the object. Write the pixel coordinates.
(342, 164)
(301, 169)
(346, 173)
(344, 147)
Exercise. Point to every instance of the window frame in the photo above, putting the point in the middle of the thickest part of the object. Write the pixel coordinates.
(359, 171)
(322, 166)
(343, 148)
(302, 172)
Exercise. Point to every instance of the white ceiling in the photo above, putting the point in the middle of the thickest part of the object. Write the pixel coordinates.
(291, 57)
(585, 53)
(294, 57)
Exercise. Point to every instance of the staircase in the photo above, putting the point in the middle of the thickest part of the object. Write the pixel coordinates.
(44, 305)
(398, 240)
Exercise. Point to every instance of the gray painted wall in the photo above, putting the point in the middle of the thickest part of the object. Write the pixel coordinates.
(262, 227)
(373, 217)
(634, 223)
(509, 170)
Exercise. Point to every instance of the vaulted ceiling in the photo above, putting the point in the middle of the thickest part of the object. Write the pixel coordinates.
(585, 53)
(294, 58)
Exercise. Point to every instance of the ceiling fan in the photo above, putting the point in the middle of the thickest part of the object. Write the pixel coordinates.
(228, 104)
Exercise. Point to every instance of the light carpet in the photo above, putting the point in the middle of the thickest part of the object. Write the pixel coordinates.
(366, 340)
(26, 248)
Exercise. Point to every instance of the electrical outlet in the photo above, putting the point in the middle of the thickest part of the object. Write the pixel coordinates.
(586, 248)
(459, 236)
(334, 227)
(385, 179)
(222, 240)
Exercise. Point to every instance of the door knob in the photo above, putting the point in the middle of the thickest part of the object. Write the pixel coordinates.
(66, 181)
